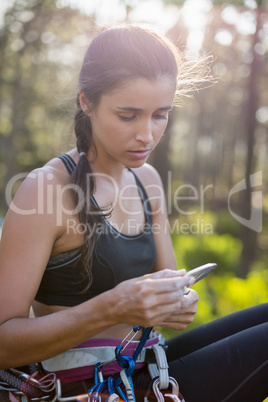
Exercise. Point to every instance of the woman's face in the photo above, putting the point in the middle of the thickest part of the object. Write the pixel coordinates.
(129, 121)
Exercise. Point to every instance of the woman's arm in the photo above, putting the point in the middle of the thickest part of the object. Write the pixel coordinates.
(33, 224)
(144, 301)
(28, 236)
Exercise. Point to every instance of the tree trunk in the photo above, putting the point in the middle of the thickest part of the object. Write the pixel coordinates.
(248, 235)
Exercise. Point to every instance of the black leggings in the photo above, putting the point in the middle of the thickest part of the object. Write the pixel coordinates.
(225, 360)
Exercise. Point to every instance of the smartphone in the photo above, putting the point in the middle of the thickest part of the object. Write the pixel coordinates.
(200, 272)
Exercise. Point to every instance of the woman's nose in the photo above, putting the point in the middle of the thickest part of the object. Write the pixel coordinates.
(145, 132)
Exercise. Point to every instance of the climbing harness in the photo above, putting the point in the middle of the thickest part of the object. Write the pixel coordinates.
(113, 387)
(39, 386)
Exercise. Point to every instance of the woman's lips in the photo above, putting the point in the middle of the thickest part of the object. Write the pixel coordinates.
(143, 154)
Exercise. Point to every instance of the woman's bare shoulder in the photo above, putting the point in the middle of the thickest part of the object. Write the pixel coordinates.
(148, 175)
(152, 183)
(53, 172)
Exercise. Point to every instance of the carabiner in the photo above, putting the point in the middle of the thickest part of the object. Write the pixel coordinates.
(174, 395)
(98, 377)
(126, 362)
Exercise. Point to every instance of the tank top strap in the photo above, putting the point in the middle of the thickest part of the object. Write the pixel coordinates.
(68, 162)
(143, 195)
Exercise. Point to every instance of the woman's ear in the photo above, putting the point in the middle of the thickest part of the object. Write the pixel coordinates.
(86, 106)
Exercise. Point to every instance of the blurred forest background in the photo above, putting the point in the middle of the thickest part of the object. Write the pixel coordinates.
(217, 139)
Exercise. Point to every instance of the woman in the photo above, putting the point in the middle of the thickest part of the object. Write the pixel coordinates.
(92, 256)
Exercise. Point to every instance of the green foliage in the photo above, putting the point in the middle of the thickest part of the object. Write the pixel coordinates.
(221, 2)
(176, 2)
(233, 2)
(38, 66)
(192, 251)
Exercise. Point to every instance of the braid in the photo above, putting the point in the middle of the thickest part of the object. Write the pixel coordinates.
(82, 176)
(82, 128)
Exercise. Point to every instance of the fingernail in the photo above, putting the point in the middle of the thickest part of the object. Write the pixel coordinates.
(192, 281)
(186, 291)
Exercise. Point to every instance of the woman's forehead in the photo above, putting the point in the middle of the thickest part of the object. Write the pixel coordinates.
(137, 91)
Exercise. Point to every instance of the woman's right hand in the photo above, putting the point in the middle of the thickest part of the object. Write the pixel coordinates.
(150, 299)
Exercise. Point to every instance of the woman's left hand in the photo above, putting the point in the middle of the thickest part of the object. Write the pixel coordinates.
(184, 316)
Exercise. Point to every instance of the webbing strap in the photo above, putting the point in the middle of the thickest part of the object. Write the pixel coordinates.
(160, 369)
(127, 381)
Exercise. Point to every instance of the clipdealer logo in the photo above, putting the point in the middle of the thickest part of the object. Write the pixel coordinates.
(48, 193)
(256, 214)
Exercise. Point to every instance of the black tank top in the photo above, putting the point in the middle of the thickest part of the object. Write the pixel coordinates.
(117, 257)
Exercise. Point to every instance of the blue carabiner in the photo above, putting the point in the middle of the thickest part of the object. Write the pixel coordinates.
(96, 389)
(126, 362)
(96, 372)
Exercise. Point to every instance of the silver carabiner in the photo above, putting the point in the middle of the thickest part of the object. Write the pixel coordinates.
(175, 398)
(158, 394)
(174, 395)
(175, 386)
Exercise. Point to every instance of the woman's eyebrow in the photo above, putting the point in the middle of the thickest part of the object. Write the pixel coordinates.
(136, 109)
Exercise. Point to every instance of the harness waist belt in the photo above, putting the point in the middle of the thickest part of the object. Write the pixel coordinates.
(80, 361)
(82, 357)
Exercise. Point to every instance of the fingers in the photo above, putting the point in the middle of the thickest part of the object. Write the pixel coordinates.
(165, 283)
(152, 298)
(179, 319)
(190, 299)
(165, 293)
(161, 297)
(166, 273)
(188, 305)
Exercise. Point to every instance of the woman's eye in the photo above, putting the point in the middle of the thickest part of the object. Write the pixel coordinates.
(127, 118)
(161, 116)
